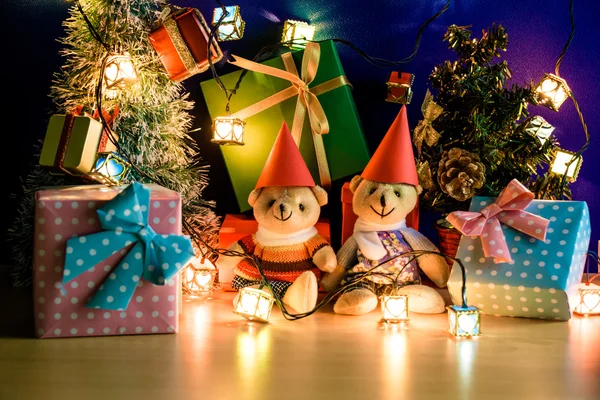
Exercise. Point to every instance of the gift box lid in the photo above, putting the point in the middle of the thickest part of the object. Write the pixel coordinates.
(97, 192)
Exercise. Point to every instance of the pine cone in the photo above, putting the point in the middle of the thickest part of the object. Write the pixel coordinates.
(460, 173)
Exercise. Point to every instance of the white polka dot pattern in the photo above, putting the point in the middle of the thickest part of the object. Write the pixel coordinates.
(542, 277)
(60, 309)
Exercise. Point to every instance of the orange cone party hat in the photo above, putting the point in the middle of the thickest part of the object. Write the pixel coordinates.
(285, 165)
(394, 160)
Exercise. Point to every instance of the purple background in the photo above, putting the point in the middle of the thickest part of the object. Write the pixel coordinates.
(537, 30)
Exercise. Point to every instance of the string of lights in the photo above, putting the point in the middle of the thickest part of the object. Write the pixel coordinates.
(271, 50)
(577, 156)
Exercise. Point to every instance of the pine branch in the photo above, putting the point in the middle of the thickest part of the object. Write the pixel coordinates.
(153, 120)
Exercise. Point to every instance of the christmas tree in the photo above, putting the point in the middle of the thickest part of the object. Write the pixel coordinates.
(476, 137)
(152, 124)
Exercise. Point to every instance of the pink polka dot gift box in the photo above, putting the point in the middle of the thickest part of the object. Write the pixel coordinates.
(523, 257)
(106, 260)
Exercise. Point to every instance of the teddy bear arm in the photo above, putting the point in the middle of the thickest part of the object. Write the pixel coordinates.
(325, 259)
(346, 256)
(230, 262)
(434, 266)
(346, 259)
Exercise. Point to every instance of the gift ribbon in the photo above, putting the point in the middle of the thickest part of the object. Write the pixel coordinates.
(65, 135)
(181, 47)
(150, 256)
(109, 118)
(509, 209)
(307, 103)
(424, 131)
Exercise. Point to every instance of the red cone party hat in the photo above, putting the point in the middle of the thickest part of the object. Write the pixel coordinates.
(285, 165)
(394, 160)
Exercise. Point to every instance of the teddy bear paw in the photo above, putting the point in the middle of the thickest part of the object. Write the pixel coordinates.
(423, 299)
(356, 302)
(302, 294)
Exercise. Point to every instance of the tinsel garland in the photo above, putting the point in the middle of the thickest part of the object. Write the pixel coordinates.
(153, 123)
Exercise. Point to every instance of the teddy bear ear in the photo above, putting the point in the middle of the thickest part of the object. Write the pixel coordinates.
(320, 194)
(254, 196)
(419, 189)
(355, 182)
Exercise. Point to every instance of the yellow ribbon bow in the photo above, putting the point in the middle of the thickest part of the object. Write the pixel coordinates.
(424, 131)
(307, 99)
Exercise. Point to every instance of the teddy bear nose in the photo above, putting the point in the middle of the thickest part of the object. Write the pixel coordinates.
(382, 201)
(281, 209)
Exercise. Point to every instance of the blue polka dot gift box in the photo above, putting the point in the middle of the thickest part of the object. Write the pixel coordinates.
(523, 257)
(106, 260)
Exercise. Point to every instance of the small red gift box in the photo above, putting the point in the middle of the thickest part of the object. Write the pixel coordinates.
(182, 44)
(236, 226)
(349, 218)
(399, 87)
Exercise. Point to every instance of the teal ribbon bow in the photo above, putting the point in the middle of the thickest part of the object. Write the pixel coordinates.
(153, 257)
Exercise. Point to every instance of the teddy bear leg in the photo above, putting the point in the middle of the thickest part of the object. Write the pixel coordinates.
(356, 302)
(302, 294)
(423, 299)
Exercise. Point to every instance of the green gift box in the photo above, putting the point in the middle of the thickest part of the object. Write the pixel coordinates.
(72, 142)
(345, 148)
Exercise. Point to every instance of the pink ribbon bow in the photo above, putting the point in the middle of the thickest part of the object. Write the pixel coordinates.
(509, 209)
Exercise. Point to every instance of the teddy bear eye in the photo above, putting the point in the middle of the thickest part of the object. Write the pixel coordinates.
(271, 203)
(301, 206)
(372, 191)
(397, 194)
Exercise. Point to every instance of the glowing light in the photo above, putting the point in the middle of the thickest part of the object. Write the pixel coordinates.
(297, 33)
(110, 168)
(119, 72)
(394, 308)
(198, 277)
(464, 321)
(559, 165)
(587, 300)
(254, 304)
(232, 26)
(552, 91)
(228, 130)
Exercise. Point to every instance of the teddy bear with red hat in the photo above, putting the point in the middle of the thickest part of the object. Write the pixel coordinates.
(287, 205)
(383, 195)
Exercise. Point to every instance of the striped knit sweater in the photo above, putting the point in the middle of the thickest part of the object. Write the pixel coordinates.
(280, 263)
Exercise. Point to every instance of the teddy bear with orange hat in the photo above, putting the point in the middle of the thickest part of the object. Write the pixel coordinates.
(287, 205)
(383, 195)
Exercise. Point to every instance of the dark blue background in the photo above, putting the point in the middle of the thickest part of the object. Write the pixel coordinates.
(537, 32)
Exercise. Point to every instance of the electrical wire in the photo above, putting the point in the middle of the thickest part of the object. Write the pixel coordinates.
(91, 28)
(205, 247)
(268, 51)
(569, 41)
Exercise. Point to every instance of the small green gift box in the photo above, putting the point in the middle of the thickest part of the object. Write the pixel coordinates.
(316, 103)
(72, 141)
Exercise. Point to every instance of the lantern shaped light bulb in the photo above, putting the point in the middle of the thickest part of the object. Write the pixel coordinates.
(232, 26)
(539, 128)
(394, 308)
(199, 277)
(110, 168)
(552, 91)
(254, 304)
(464, 321)
(228, 130)
(399, 87)
(587, 300)
(119, 73)
(559, 165)
(297, 33)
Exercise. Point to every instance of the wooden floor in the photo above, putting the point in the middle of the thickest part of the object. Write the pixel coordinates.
(217, 355)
